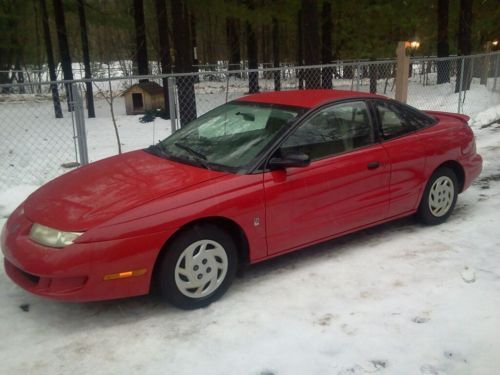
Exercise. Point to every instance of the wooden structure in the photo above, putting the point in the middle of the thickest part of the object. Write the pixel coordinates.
(402, 71)
(142, 97)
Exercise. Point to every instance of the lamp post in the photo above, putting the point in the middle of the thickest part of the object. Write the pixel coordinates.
(412, 46)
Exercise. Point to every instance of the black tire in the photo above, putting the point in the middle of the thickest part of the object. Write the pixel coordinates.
(166, 277)
(424, 214)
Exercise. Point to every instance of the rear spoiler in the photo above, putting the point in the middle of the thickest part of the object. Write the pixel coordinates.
(458, 116)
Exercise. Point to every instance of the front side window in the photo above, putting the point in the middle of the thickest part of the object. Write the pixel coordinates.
(396, 120)
(229, 137)
(333, 130)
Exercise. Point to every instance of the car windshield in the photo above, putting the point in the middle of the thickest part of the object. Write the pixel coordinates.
(228, 137)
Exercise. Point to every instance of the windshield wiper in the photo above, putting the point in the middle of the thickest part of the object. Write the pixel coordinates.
(158, 149)
(199, 157)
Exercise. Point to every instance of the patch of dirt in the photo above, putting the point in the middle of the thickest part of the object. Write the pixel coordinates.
(490, 124)
(484, 182)
(424, 317)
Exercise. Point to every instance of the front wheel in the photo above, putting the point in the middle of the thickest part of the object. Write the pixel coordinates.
(198, 268)
(439, 198)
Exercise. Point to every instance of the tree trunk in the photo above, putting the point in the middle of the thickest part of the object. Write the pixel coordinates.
(443, 50)
(165, 61)
(233, 43)
(253, 77)
(326, 44)
(464, 43)
(183, 62)
(300, 50)
(311, 43)
(86, 57)
(192, 23)
(276, 54)
(63, 49)
(373, 73)
(50, 60)
(141, 49)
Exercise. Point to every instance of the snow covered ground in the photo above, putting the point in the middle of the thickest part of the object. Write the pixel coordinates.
(399, 298)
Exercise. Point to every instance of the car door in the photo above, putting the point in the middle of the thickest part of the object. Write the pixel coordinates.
(399, 131)
(344, 187)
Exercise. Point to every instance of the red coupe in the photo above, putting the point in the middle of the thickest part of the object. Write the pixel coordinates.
(252, 179)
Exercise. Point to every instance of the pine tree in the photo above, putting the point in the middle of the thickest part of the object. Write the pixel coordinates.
(443, 50)
(464, 44)
(311, 42)
(276, 54)
(326, 44)
(50, 60)
(64, 54)
(253, 77)
(183, 62)
(161, 19)
(141, 50)
(86, 57)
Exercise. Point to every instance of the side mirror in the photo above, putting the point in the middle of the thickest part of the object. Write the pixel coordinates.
(290, 161)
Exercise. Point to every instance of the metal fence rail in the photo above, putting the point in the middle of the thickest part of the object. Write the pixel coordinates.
(34, 144)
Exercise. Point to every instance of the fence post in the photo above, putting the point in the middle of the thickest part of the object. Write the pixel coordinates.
(172, 105)
(81, 135)
(402, 72)
(460, 83)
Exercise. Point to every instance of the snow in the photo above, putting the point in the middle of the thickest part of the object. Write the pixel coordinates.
(399, 298)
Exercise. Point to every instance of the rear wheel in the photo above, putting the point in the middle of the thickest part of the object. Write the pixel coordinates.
(439, 198)
(198, 268)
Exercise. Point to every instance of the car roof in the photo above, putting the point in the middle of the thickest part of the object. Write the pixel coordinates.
(304, 98)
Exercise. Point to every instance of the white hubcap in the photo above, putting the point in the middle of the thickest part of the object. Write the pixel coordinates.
(201, 268)
(441, 196)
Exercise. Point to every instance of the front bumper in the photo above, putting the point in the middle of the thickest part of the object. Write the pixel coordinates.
(76, 273)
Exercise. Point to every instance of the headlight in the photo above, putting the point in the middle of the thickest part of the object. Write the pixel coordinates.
(52, 237)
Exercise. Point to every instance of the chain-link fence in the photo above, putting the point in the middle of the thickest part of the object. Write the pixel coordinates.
(454, 84)
(35, 142)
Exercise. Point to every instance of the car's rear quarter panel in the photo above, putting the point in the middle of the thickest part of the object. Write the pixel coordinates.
(451, 139)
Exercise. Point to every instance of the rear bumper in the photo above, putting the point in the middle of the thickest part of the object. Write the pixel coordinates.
(472, 167)
(76, 273)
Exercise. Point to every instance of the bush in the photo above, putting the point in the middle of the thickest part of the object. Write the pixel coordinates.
(149, 116)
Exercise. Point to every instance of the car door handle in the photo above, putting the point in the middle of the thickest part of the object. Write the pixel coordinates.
(373, 165)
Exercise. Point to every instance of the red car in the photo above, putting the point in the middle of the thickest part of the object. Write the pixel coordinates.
(252, 179)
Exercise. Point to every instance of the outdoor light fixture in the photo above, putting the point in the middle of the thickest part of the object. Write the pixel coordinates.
(412, 45)
(495, 43)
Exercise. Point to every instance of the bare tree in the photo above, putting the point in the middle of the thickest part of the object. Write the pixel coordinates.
(110, 97)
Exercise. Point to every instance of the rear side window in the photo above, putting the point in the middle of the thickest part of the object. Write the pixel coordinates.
(397, 120)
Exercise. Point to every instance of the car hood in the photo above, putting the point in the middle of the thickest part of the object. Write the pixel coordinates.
(92, 194)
